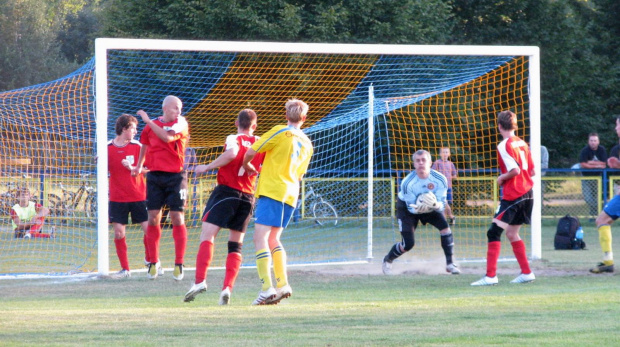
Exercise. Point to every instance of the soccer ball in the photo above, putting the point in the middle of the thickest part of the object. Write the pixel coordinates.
(428, 200)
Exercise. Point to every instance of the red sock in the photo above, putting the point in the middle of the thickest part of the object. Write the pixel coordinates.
(35, 229)
(146, 249)
(493, 251)
(179, 234)
(153, 234)
(121, 251)
(203, 260)
(233, 263)
(518, 248)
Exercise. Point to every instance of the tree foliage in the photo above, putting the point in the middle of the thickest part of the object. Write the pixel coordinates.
(578, 40)
(576, 86)
(30, 52)
(78, 33)
(346, 21)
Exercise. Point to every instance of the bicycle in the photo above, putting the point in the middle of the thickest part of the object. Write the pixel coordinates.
(67, 206)
(9, 198)
(323, 212)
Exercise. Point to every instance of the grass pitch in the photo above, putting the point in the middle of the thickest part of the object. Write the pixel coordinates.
(337, 305)
(331, 306)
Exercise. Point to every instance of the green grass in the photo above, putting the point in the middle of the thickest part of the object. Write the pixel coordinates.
(331, 306)
(336, 305)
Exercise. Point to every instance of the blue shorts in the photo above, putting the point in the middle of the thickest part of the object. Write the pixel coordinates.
(612, 208)
(272, 212)
(449, 196)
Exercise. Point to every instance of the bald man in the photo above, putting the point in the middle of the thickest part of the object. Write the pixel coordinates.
(164, 140)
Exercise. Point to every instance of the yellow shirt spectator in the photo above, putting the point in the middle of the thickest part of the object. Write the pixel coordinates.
(25, 214)
(288, 152)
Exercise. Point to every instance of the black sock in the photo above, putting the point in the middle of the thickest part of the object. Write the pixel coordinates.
(393, 253)
(447, 243)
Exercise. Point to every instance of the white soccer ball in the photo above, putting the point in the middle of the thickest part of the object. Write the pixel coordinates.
(428, 200)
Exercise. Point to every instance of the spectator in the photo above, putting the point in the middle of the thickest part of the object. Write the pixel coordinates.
(28, 216)
(592, 156)
(190, 159)
(544, 165)
(447, 168)
(544, 159)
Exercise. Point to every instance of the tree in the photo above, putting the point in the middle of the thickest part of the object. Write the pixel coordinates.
(344, 21)
(574, 83)
(606, 30)
(30, 53)
(578, 40)
(78, 33)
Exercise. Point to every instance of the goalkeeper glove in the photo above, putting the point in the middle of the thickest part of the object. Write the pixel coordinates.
(418, 209)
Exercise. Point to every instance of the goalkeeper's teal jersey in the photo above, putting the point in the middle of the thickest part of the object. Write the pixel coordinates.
(412, 186)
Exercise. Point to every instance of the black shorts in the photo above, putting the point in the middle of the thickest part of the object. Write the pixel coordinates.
(166, 188)
(516, 212)
(229, 208)
(119, 212)
(408, 220)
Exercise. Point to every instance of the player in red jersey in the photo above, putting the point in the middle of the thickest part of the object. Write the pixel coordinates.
(127, 192)
(515, 209)
(163, 152)
(229, 206)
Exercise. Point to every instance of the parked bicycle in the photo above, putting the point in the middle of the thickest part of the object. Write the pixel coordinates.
(8, 199)
(323, 212)
(71, 202)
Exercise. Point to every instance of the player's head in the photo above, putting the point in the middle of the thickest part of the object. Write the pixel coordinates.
(422, 161)
(246, 120)
(444, 152)
(171, 107)
(126, 122)
(507, 120)
(296, 110)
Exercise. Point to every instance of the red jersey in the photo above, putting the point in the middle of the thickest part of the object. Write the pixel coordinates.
(515, 153)
(162, 156)
(123, 186)
(232, 174)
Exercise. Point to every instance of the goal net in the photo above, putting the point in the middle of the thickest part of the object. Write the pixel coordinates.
(371, 108)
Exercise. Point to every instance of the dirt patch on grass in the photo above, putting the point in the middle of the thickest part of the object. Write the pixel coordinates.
(434, 267)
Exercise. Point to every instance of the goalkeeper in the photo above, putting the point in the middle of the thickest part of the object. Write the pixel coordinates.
(422, 198)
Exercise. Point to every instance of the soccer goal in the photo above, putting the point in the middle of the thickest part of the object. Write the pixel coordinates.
(371, 108)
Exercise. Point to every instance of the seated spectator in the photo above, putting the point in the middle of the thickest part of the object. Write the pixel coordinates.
(28, 217)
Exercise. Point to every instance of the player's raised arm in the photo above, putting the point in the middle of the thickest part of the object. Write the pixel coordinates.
(166, 136)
